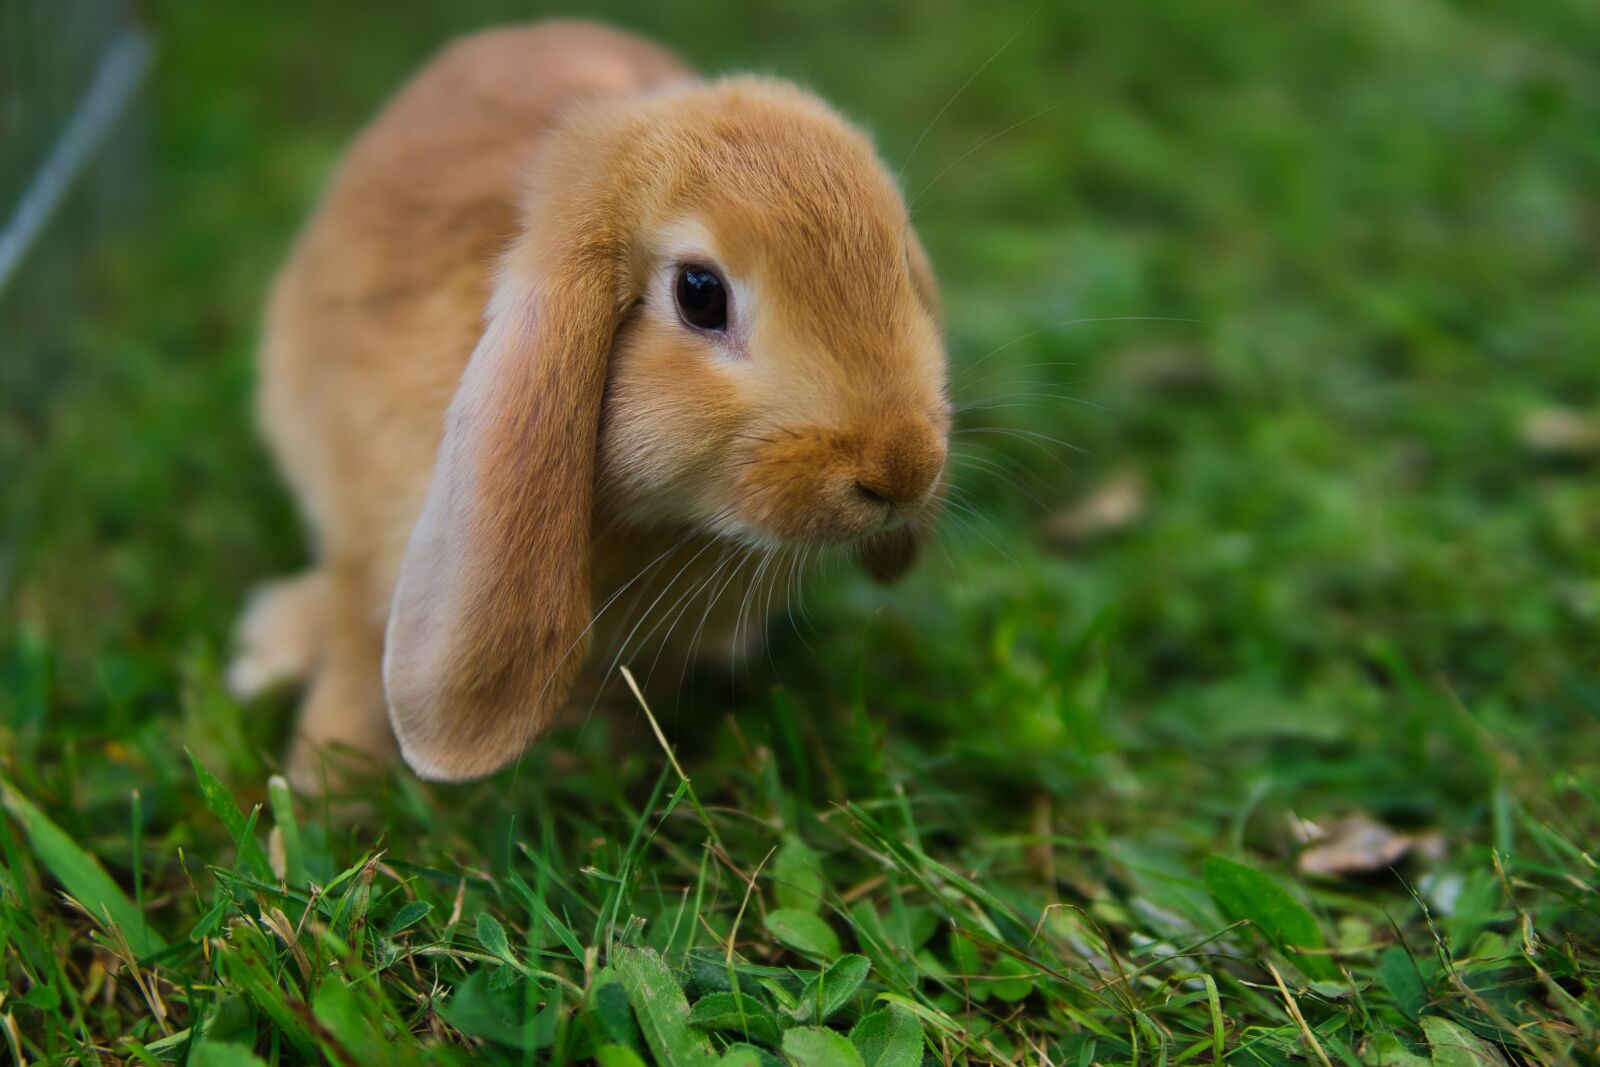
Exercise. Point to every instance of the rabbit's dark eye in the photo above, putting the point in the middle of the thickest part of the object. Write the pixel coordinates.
(702, 298)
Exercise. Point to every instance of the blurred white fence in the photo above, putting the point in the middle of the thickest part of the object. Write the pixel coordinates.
(71, 162)
(69, 71)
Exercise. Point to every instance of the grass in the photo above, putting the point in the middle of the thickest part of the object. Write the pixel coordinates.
(1318, 287)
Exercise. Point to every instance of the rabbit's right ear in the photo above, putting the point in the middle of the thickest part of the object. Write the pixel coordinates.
(491, 613)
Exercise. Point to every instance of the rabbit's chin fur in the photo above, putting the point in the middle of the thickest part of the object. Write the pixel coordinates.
(478, 383)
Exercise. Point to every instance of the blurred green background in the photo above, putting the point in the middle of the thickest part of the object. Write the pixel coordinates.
(1277, 332)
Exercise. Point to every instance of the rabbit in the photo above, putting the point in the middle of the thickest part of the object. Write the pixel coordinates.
(563, 307)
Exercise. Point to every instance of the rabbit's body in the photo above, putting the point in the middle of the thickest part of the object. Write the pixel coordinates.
(502, 165)
(369, 327)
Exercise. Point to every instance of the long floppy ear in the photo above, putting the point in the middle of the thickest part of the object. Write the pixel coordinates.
(490, 618)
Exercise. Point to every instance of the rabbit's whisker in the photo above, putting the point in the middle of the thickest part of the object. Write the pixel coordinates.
(912, 208)
(787, 553)
(744, 601)
(1019, 389)
(956, 571)
(964, 86)
(1022, 399)
(681, 606)
(1064, 323)
(1033, 436)
(692, 648)
(611, 600)
(965, 524)
(631, 609)
(967, 510)
(1003, 368)
(627, 642)
(792, 593)
(611, 669)
(999, 470)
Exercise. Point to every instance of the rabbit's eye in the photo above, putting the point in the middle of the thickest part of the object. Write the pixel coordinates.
(702, 298)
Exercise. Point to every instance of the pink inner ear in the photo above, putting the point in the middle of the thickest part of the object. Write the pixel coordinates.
(488, 626)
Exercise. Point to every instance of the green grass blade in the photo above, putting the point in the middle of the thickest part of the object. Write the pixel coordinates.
(221, 804)
(738, 1012)
(1243, 892)
(796, 877)
(888, 1037)
(826, 994)
(803, 932)
(816, 1046)
(288, 827)
(662, 1009)
(79, 873)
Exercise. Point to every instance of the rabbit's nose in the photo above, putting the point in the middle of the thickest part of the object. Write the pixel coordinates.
(900, 461)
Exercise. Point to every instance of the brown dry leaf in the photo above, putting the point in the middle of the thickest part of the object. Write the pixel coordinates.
(275, 853)
(1554, 431)
(1359, 844)
(1304, 831)
(1115, 504)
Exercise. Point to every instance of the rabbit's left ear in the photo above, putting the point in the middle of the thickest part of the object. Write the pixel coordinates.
(492, 610)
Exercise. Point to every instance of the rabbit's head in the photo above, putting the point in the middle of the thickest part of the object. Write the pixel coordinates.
(716, 317)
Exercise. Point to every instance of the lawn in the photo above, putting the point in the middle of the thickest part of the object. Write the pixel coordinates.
(1248, 708)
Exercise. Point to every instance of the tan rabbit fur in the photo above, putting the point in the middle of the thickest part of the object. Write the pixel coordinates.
(480, 387)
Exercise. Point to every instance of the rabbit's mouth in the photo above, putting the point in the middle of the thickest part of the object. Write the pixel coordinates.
(893, 514)
(809, 486)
